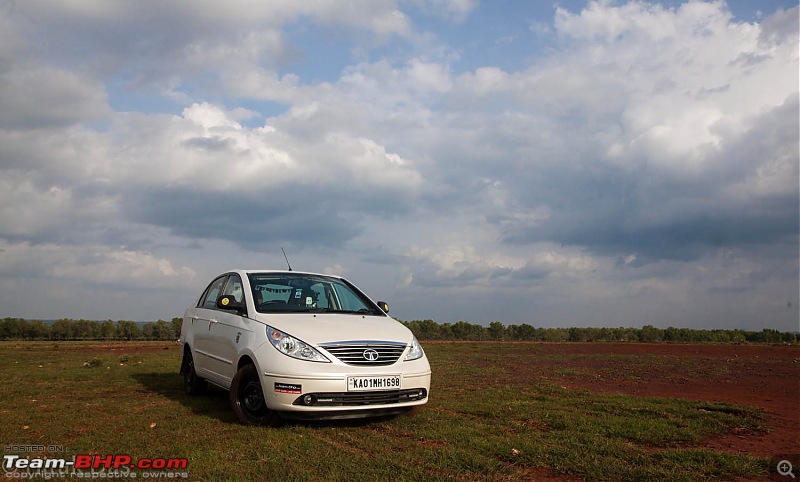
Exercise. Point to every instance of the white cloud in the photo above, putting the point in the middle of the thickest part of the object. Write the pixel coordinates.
(45, 97)
(93, 266)
(627, 146)
(139, 269)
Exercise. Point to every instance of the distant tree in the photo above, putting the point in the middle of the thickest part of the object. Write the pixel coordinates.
(677, 335)
(36, 330)
(591, 334)
(555, 334)
(650, 333)
(163, 330)
(85, 329)
(768, 335)
(497, 331)
(11, 328)
(127, 330)
(468, 331)
(61, 329)
(425, 329)
(176, 322)
(446, 332)
(107, 330)
(721, 336)
(523, 332)
(577, 334)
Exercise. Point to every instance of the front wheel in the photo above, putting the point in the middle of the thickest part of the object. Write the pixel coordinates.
(247, 399)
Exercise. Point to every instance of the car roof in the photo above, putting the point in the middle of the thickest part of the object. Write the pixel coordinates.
(280, 271)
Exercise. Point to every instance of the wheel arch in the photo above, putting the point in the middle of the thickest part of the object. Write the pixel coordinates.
(246, 359)
(187, 353)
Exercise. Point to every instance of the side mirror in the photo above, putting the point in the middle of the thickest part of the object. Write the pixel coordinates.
(228, 302)
(382, 305)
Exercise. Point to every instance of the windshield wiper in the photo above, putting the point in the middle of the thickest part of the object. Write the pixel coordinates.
(362, 311)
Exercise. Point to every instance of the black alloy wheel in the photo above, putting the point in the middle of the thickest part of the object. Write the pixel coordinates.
(247, 399)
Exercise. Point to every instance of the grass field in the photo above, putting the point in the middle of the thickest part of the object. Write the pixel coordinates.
(483, 422)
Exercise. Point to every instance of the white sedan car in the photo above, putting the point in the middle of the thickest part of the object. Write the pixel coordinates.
(287, 344)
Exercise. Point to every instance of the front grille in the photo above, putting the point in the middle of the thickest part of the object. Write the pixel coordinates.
(366, 353)
(351, 399)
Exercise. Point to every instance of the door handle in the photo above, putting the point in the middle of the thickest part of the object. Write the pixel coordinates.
(212, 320)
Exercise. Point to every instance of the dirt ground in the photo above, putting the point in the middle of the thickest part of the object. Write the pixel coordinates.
(762, 376)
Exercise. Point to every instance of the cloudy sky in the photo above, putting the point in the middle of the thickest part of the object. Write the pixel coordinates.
(567, 163)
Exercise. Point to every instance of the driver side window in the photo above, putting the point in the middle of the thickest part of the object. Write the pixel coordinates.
(234, 288)
(213, 292)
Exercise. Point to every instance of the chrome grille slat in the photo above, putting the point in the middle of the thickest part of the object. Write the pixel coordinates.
(352, 353)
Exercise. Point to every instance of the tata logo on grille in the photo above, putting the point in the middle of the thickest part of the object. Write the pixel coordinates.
(371, 355)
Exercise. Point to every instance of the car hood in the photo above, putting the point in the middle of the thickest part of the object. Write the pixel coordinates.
(335, 327)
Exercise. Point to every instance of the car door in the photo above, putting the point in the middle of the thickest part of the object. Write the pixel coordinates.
(227, 333)
(205, 316)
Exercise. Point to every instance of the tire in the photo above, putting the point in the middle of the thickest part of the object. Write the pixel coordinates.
(247, 399)
(192, 384)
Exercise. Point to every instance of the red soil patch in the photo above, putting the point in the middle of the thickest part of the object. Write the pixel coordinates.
(125, 347)
(762, 376)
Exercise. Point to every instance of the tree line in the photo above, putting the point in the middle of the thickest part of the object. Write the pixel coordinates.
(496, 331)
(68, 329)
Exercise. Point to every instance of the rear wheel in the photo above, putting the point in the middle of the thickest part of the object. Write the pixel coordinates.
(247, 399)
(192, 384)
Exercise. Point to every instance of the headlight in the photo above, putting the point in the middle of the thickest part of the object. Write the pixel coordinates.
(291, 346)
(415, 351)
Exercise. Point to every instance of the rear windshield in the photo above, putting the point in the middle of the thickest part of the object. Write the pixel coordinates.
(288, 292)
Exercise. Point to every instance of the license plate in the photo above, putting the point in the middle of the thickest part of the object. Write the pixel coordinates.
(382, 382)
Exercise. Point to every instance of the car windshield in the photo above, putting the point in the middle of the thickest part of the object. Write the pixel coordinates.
(296, 292)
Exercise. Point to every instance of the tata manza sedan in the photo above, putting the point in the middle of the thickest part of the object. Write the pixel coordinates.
(288, 344)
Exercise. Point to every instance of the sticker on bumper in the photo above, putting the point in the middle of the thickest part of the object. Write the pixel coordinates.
(288, 388)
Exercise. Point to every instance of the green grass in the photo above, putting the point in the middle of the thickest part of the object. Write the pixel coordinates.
(486, 420)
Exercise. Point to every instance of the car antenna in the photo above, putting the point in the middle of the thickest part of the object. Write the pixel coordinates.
(287, 259)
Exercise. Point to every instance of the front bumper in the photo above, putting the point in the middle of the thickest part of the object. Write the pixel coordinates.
(326, 397)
